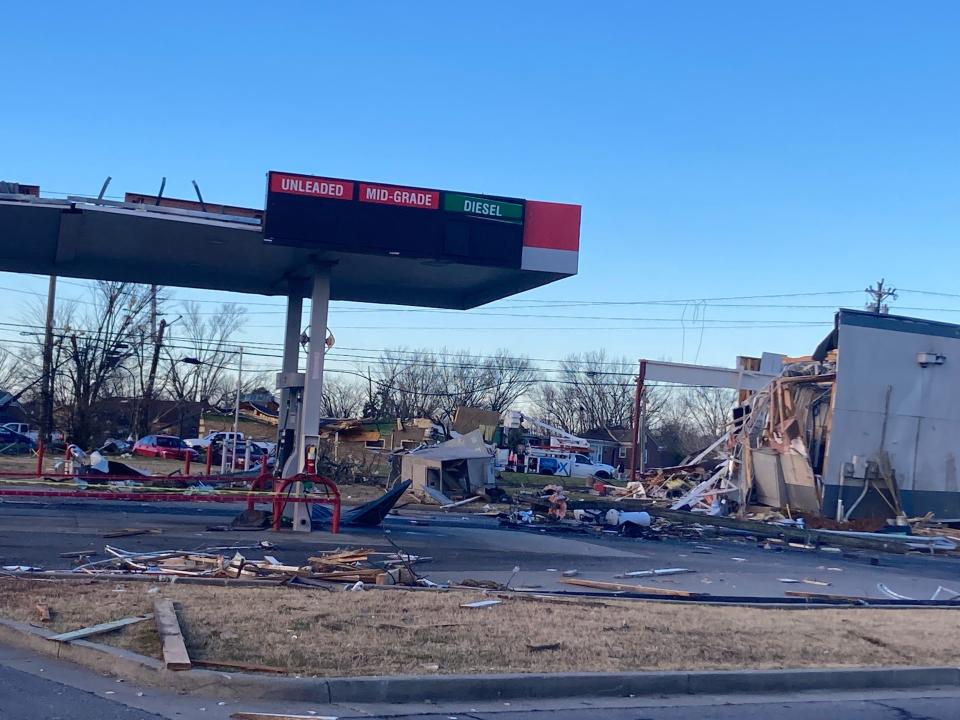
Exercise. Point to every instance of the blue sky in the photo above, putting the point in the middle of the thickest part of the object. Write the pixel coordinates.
(718, 149)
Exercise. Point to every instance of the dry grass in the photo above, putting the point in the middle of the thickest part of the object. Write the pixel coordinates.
(388, 632)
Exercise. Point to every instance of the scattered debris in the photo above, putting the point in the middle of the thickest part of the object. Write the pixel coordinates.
(340, 566)
(542, 648)
(655, 573)
(43, 612)
(274, 716)
(79, 554)
(130, 532)
(481, 603)
(890, 593)
(621, 587)
(570, 573)
(942, 589)
(462, 502)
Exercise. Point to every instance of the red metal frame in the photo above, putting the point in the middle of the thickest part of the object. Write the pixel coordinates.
(280, 500)
(276, 496)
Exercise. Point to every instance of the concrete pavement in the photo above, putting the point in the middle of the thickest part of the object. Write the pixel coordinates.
(465, 546)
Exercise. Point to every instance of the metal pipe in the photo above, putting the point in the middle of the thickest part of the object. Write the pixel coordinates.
(236, 413)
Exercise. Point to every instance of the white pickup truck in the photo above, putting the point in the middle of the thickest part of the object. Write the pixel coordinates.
(22, 429)
(225, 438)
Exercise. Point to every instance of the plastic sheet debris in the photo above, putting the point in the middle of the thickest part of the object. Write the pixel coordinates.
(481, 603)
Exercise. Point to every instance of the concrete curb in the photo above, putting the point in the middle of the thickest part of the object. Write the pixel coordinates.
(417, 688)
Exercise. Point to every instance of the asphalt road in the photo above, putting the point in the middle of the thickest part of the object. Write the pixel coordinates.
(39, 688)
(464, 546)
(24, 696)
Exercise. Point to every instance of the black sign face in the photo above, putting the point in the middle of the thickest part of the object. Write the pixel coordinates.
(360, 217)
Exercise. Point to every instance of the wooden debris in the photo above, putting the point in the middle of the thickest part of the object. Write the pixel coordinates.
(245, 667)
(130, 532)
(826, 596)
(43, 612)
(810, 581)
(659, 572)
(79, 554)
(175, 655)
(622, 587)
(274, 716)
(541, 648)
(449, 506)
(342, 566)
(98, 629)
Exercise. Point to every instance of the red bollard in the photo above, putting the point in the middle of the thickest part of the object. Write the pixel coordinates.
(261, 479)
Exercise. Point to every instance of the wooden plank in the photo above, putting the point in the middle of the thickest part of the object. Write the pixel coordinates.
(273, 716)
(98, 629)
(626, 587)
(462, 502)
(826, 596)
(746, 475)
(175, 655)
(246, 667)
(792, 379)
(129, 532)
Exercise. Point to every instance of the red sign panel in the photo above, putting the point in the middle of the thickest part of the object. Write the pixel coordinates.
(311, 186)
(402, 196)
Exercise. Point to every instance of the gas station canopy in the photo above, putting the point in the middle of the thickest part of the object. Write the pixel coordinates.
(380, 243)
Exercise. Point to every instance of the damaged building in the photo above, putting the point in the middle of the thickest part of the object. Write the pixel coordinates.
(864, 427)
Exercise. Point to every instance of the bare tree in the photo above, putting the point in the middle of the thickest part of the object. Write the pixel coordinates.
(407, 384)
(691, 419)
(510, 377)
(207, 337)
(589, 391)
(708, 409)
(98, 341)
(15, 374)
(425, 383)
(342, 398)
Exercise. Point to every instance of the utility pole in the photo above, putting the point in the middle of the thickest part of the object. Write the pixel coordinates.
(153, 314)
(637, 423)
(879, 294)
(236, 410)
(143, 422)
(46, 390)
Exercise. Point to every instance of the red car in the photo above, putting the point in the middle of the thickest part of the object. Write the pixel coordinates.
(164, 446)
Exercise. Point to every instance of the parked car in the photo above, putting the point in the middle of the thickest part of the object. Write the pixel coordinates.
(164, 446)
(214, 438)
(13, 443)
(257, 451)
(22, 429)
(584, 467)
